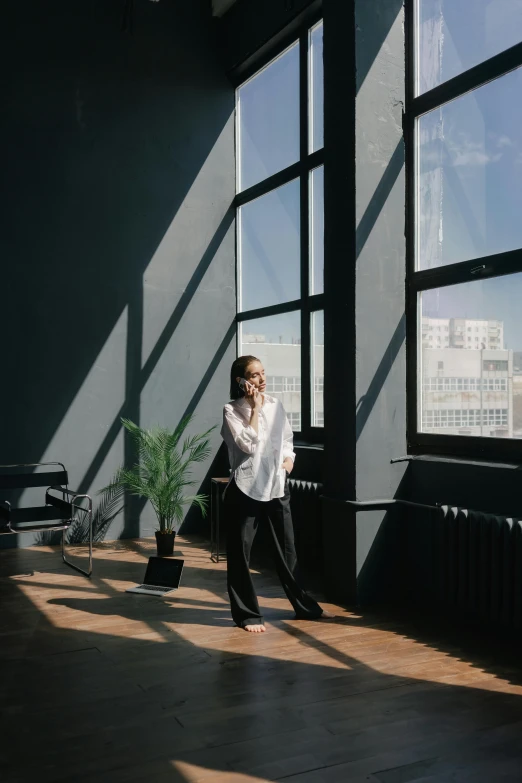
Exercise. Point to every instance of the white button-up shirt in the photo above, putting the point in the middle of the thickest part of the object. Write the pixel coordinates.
(256, 457)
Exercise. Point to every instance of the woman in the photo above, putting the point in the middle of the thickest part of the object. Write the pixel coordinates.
(260, 447)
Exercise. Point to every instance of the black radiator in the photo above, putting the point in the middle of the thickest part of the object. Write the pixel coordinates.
(481, 565)
(305, 501)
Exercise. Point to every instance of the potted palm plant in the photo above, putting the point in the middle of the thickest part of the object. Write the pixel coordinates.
(162, 475)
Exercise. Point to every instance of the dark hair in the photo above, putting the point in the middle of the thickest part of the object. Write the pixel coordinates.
(238, 370)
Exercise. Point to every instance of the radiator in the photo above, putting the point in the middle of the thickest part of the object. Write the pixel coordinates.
(481, 569)
(305, 502)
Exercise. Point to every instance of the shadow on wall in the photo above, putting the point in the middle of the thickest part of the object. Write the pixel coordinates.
(119, 240)
(382, 575)
(374, 22)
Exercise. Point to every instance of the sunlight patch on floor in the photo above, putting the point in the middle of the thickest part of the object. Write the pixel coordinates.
(200, 617)
(194, 774)
(80, 619)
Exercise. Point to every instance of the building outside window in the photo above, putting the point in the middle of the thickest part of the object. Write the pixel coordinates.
(274, 383)
(295, 420)
(464, 174)
(279, 141)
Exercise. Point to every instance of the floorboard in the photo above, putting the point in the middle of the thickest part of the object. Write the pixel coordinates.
(100, 685)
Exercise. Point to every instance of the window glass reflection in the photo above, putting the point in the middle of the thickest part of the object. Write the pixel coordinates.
(317, 230)
(470, 344)
(318, 369)
(454, 35)
(316, 101)
(469, 187)
(268, 120)
(269, 248)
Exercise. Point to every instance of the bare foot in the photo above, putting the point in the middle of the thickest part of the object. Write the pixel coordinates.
(327, 615)
(254, 628)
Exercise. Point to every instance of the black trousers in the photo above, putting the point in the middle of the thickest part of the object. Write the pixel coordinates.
(244, 514)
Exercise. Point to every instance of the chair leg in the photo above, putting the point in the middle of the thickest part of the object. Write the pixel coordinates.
(68, 562)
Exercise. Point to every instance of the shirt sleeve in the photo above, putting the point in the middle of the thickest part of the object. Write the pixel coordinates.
(288, 440)
(245, 438)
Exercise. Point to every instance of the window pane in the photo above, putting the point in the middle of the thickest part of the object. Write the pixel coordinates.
(470, 175)
(471, 374)
(317, 231)
(268, 120)
(455, 35)
(316, 88)
(276, 342)
(269, 248)
(317, 369)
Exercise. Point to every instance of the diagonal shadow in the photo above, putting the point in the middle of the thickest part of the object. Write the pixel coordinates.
(131, 528)
(379, 197)
(211, 369)
(373, 24)
(228, 705)
(140, 503)
(367, 401)
(126, 409)
(186, 297)
(319, 644)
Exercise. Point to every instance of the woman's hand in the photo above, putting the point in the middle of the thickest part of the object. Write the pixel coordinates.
(288, 465)
(253, 397)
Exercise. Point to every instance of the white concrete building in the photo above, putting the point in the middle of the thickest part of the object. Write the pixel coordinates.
(472, 334)
(467, 392)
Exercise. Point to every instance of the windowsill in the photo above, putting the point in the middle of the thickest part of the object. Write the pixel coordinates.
(460, 461)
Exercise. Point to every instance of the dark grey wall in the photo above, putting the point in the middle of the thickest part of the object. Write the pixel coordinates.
(365, 399)
(396, 552)
(380, 426)
(118, 276)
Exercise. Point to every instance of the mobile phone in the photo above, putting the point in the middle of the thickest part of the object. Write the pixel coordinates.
(244, 384)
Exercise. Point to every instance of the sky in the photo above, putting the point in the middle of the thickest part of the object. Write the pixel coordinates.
(469, 198)
(473, 31)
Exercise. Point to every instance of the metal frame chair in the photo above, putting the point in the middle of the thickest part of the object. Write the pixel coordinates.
(57, 513)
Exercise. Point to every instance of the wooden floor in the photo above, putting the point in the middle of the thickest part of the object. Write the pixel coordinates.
(99, 685)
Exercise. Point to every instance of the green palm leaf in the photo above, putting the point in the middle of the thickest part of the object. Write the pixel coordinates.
(162, 472)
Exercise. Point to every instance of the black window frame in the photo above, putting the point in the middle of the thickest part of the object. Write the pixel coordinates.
(308, 161)
(497, 265)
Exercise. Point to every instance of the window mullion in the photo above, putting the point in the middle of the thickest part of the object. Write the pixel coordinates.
(470, 80)
(412, 363)
(305, 235)
(296, 313)
(496, 265)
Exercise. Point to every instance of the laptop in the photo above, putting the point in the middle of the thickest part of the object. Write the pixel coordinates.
(161, 577)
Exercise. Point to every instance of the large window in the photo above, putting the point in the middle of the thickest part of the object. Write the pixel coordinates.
(464, 158)
(279, 142)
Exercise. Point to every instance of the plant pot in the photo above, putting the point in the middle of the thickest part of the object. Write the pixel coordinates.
(165, 543)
